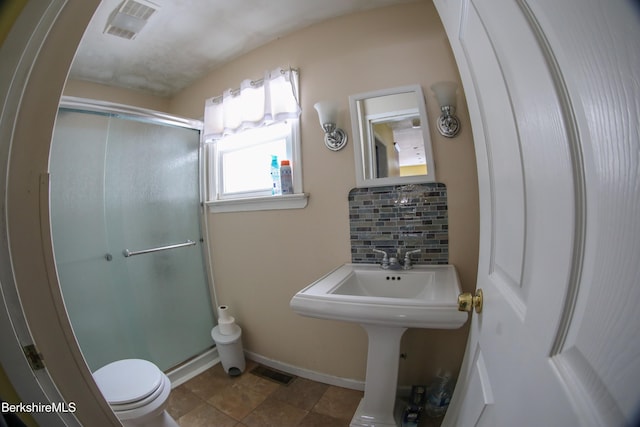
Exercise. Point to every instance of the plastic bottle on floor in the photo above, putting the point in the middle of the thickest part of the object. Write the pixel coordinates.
(439, 395)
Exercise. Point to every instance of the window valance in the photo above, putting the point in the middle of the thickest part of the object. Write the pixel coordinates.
(256, 103)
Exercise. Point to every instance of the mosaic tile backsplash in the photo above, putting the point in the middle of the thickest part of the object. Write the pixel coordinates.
(404, 217)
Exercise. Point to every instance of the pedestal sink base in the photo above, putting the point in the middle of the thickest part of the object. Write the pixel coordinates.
(385, 303)
(376, 407)
(361, 419)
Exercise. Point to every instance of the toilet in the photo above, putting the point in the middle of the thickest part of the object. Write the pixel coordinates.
(137, 392)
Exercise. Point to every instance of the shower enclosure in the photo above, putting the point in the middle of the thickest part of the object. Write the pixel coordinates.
(126, 224)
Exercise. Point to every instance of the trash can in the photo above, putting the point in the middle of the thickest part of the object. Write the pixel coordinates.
(230, 350)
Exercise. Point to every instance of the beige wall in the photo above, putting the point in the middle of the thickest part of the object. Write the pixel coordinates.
(261, 259)
(101, 92)
(413, 170)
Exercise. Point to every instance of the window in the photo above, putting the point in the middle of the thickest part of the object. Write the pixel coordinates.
(243, 161)
(243, 129)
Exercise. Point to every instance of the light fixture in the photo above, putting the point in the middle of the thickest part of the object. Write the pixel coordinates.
(334, 137)
(448, 123)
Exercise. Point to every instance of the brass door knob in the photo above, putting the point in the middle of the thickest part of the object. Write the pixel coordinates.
(466, 301)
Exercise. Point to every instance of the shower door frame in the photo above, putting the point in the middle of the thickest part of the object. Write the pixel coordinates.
(158, 117)
(39, 49)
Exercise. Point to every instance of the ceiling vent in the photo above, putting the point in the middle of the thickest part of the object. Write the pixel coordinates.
(128, 19)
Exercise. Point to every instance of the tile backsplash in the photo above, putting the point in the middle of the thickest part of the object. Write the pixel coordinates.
(403, 217)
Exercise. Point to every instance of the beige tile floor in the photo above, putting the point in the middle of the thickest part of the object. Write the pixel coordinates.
(213, 399)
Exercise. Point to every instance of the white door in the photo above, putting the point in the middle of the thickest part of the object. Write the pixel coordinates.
(34, 60)
(552, 92)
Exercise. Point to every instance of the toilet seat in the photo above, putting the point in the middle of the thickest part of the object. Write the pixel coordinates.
(143, 402)
(147, 411)
(130, 383)
(137, 392)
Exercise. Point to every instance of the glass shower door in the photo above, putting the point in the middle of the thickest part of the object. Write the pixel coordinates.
(119, 184)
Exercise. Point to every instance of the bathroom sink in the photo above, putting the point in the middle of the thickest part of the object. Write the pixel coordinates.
(423, 297)
(385, 303)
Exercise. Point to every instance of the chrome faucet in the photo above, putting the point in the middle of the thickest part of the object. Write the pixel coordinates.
(393, 263)
(407, 259)
(385, 259)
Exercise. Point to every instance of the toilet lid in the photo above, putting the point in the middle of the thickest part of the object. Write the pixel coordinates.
(129, 380)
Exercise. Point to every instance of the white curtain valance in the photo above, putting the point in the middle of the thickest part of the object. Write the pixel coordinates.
(256, 103)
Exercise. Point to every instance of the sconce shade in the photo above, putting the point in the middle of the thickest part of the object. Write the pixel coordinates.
(327, 111)
(445, 93)
(334, 137)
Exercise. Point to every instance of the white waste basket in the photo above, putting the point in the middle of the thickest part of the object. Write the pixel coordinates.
(230, 350)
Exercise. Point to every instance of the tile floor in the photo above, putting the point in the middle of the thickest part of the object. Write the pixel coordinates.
(213, 399)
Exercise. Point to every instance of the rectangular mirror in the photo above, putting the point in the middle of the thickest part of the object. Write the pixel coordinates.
(391, 137)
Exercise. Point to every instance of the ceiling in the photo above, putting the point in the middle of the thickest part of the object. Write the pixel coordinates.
(186, 39)
(410, 144)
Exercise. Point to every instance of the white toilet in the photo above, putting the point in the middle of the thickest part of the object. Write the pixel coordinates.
(137, 391)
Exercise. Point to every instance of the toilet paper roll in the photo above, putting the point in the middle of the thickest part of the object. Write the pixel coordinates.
(223, 313)
(228, 326)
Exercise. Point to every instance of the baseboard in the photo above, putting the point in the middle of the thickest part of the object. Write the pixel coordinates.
(193, 367)
(210, 358)
(306, 373)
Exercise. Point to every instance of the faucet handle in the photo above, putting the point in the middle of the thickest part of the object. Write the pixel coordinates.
(385, 258)
(407, 258)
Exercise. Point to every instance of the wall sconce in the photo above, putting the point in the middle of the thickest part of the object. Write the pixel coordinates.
(448, 123)
(334, 137)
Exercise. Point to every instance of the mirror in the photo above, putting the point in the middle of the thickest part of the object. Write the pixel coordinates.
(391, 137)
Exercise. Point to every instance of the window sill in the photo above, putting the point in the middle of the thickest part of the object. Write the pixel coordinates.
(289, 201)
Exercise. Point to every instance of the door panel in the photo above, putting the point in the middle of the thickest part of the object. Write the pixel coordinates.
(527, 208)
(152, 200)
(79, 235)
(558, 333)
(505, 182)
(478, 385)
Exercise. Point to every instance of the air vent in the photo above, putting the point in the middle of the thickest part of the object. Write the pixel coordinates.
(128, 19)
(272, 374)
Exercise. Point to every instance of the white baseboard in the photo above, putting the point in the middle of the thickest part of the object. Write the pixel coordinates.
(206, 360)
(193, 367)
(305, 373)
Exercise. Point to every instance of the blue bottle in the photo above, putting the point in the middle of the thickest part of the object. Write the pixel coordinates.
(275, 177)
(439, 395)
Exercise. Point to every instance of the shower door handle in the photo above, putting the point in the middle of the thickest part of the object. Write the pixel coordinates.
(127, 253)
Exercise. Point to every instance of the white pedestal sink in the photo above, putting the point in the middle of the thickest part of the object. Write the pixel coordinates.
(385, 303)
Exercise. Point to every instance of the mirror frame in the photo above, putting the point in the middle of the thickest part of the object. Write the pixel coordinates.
(362, 152)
